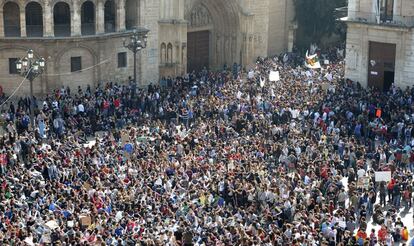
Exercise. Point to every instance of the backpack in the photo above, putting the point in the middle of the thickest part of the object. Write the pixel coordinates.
(390, 186)
(404, 234)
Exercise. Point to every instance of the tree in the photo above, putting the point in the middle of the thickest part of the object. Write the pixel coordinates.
(315, 19)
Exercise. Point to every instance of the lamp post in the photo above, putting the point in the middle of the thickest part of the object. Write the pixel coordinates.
(137, 42)
(30, 68)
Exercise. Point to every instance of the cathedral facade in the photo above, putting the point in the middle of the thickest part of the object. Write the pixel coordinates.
(82, 41)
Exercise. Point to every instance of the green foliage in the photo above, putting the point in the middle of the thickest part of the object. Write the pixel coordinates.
(316, 20)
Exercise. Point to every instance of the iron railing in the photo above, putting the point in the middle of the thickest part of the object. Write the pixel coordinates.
(378, 19)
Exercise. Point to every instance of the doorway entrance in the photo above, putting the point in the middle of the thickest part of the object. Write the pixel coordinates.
(381, 65)
(198, 51)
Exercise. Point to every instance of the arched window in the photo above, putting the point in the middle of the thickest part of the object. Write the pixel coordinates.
(34, 20)
(169, 53)
(109, 16)
(61, 19)
(163, 53)
(11, 19)
(88, 18)
(131, 14)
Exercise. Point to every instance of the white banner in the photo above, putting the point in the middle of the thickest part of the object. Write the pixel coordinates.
(274, 76)
(383, 176)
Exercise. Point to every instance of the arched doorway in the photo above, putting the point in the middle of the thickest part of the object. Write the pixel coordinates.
(34, 20)
(61, 20)
(213, 34)
(109, 16)
(88, 18)
(132, 14)
(11, 19)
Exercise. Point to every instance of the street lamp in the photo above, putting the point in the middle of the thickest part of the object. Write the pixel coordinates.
(30, 68)
(137, 42)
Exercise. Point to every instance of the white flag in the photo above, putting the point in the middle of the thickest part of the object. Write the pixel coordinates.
(262, 82)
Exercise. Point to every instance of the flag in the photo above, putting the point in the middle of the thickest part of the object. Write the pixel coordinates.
(262, 82)
(285, 58)
(312, 61)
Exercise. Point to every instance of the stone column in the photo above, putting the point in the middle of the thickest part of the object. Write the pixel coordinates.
(167, 9)
(162, 9)
(76, 20)
(99, 19)
(1, 26)
(48, 20)
(120, 16)
(22, 23)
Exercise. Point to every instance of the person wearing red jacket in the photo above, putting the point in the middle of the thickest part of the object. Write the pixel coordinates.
(382, 233)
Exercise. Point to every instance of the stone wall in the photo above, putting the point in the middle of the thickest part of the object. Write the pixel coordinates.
(150, 56)
(357, 51)
(99, 58)
(281, 16)
(241, 30)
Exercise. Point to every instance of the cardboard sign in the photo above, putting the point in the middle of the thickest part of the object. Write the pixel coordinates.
(52, 224)
(124, 138)
(363, 182)
(383, 176)
(86, 186)
(85, 220)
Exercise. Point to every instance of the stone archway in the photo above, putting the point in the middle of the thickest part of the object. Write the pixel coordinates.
(215, 24)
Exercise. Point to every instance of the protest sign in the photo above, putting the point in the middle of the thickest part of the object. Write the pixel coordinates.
(250, 75)
(363, 182)
(85, 220)
(383, 176)
(274, 76)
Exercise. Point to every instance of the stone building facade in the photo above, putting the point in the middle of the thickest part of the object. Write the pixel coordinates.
(380, 42)
(82, 41)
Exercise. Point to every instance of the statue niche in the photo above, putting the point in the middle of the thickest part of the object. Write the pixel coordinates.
(200, 16)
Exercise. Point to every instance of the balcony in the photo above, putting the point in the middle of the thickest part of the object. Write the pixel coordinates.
(383, 20)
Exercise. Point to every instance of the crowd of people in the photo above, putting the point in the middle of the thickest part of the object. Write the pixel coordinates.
(214, 158)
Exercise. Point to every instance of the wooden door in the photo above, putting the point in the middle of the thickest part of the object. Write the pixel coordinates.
(198, 50)
(381, 64)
